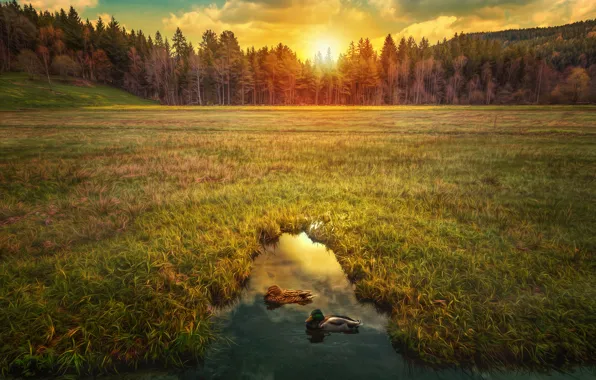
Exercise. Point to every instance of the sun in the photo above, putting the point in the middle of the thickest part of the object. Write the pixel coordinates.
(324, 44)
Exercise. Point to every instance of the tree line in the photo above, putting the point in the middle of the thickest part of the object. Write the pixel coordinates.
(568, 31)
(513, 67)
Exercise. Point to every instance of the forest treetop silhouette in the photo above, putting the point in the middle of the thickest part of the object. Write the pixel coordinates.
(539, 65)
(310, 26)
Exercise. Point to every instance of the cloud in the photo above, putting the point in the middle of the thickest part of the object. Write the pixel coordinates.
(582, 10)
(55, 5)
(105, 17)
(386, 8)
(308, 24)
(434, 30)
(507, 15)
(446, 27)
(429, 9)
(302, 26)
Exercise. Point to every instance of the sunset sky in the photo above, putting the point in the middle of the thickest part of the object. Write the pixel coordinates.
(311, 25)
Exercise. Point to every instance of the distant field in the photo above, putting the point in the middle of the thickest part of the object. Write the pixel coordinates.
(18, 91)
(120, 227)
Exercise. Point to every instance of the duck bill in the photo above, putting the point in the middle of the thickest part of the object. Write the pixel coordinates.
(309, 319)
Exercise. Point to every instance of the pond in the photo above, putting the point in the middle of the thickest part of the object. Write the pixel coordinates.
(261, 342)
(275, 344)
(272, 343)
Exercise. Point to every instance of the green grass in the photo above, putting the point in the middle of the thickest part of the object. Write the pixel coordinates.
(121, 229)
(18, 91)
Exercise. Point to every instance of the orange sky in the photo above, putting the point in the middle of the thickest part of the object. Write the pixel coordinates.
(311, 25)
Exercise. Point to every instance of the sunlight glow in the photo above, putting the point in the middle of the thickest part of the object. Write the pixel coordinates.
(323, 43)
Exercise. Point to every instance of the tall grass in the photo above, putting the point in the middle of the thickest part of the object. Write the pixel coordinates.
(121, 230)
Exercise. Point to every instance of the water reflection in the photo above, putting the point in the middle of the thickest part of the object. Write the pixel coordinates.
(318, 336)
(295, 262)
(272, 343)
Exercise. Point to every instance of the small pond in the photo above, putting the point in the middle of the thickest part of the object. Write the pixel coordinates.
(273, 343)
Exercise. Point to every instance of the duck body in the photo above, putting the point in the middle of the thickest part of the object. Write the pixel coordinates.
(278, 296)
(332, 323)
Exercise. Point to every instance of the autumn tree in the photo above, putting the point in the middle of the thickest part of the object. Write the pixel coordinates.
(64, 66)
(577, 84)
(50, 44)
(101, 66)
(30, 63)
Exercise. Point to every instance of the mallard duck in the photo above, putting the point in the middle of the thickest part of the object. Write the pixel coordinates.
(279, 296)
(336, 323)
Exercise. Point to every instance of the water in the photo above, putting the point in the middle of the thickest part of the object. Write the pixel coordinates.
(274, 344)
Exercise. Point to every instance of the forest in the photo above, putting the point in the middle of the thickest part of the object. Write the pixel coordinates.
(531, 66)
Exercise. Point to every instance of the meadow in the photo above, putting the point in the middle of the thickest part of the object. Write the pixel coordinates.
(19, 91)
(123, 227)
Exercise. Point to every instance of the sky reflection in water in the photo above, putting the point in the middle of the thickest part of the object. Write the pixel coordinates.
(274, 344)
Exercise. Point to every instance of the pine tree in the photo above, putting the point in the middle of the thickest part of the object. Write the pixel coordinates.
(179, 45)
(158, 39)
(230, 54)
(389, 68)
(115, 46)
(73, 30)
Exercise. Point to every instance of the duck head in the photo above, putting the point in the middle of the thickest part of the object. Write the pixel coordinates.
(273, 290)
(316, 316)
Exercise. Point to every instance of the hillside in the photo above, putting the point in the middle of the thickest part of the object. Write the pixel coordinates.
(576, 30)
(562, 47)
(18, 91)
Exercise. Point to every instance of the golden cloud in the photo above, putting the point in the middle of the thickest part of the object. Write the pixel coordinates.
(55, 5)
(311, 24)
(302, 26)
(514, 16)
(105, 17)
(434, 30)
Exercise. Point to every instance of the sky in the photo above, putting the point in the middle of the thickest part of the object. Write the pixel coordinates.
(308, 26)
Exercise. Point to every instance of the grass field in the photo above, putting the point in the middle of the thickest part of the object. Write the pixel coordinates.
(18, 91)
(122, 227)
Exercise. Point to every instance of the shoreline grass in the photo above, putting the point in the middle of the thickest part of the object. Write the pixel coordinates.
(121, 229)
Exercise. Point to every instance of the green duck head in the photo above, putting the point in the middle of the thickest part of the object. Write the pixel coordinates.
(315, 317)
